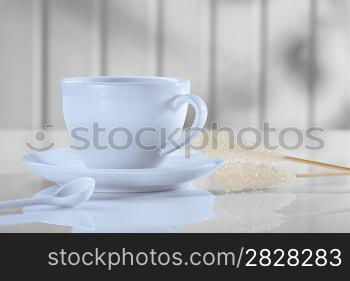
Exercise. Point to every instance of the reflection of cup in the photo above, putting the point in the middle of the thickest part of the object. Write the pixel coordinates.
(129, 212)
(125, 122)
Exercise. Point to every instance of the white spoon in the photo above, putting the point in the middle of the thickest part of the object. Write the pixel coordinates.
(70, 194)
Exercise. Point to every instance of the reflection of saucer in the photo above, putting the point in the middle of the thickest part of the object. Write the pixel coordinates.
(128, 212)
(63, 165)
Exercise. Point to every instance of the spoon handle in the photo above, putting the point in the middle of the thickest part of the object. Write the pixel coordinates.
(23, 202)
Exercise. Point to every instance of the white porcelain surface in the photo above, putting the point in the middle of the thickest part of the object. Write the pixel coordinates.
(157, 105)
(63, 165)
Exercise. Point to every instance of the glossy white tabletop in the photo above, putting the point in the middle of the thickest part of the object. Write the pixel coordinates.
(314, 205)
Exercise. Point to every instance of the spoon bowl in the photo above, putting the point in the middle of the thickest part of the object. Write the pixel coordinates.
(74, 192)
(70, 194)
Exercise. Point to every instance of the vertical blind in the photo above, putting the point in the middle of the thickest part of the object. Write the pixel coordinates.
(281, 61)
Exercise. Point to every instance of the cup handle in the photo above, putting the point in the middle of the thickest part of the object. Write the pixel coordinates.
(201, 111)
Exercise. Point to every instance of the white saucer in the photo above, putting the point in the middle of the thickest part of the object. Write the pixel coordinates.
(62, 165)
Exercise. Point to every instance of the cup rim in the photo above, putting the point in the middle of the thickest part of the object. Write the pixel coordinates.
(126, 80)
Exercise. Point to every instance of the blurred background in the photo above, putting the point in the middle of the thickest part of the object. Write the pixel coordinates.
(282, 61)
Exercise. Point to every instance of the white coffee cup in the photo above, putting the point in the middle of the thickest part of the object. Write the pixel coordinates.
(103, 114)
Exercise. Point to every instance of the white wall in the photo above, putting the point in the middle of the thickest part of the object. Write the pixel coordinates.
(283, 61)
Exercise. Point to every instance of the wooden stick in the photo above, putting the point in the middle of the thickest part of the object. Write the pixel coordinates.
(312, 175)
(317, 163)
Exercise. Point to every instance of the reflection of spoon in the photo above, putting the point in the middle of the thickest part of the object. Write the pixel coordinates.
(134, 212)
(70, 194)
(65, 217)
